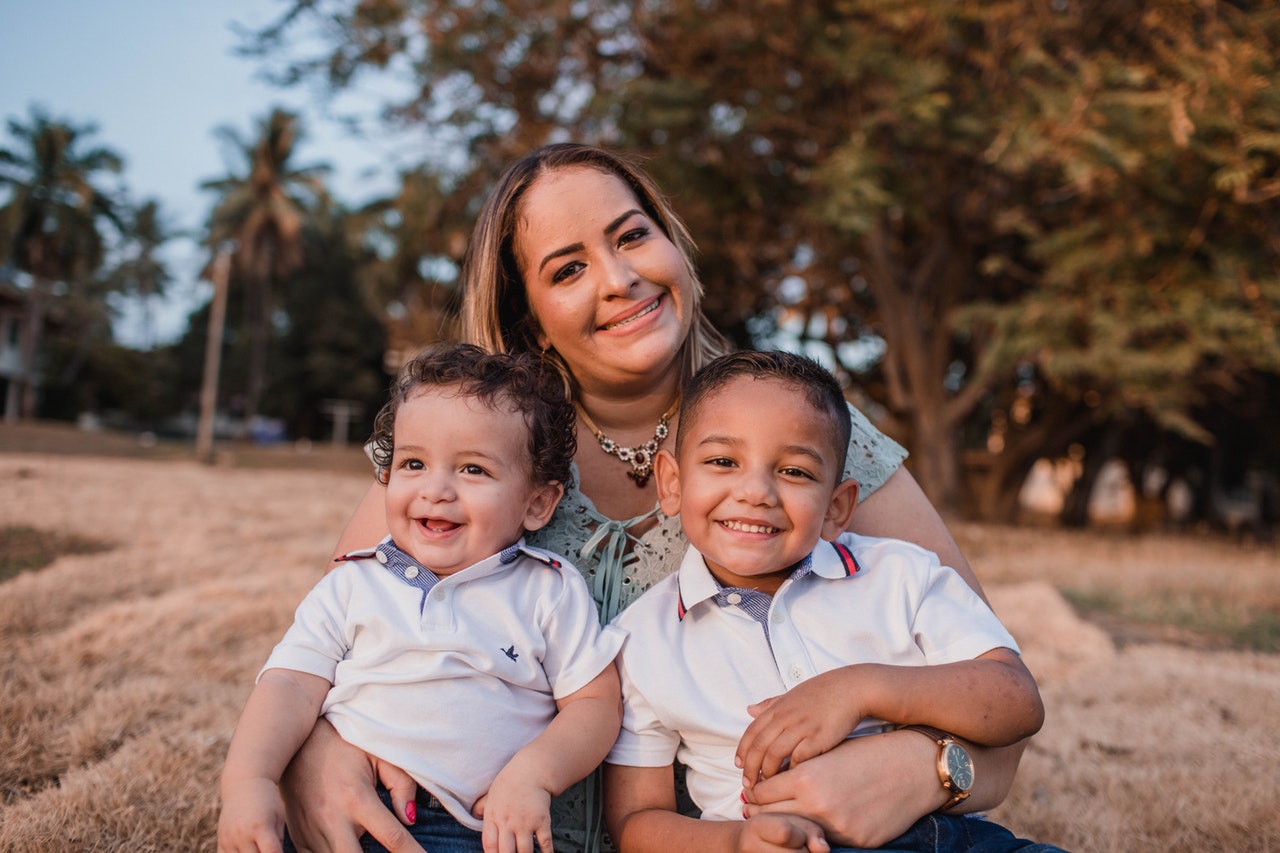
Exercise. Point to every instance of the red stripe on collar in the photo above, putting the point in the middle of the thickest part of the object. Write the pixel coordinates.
(847, 559)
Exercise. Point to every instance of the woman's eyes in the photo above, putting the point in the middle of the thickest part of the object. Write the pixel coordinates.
(572, 268)
(568, 271)
(633, 235)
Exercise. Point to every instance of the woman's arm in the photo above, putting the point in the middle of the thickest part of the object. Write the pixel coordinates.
(367, 525)
(900, 510)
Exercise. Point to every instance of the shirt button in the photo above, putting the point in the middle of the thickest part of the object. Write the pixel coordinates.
(382, 557)
(411, 572)
(439, 594)
(796, 673)
(779, 617)
(733, 598)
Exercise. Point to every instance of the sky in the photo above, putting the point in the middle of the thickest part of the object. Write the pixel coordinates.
(157, 77)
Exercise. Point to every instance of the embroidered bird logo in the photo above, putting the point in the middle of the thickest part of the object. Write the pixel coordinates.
(511, 652)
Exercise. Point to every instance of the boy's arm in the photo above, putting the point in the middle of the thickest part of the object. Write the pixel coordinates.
(640, 812)
(574, 743)
(280, 713)
(991, 700)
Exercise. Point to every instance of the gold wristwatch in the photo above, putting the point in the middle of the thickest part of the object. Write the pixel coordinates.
(955, 767)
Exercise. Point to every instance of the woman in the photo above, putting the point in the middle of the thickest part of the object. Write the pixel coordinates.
(577, 256)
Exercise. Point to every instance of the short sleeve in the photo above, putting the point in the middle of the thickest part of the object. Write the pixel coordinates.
(578, 649)
(317, 640)
(873, 456)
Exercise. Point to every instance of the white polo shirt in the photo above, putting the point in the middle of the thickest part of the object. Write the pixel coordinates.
(692, 665)
(448, 678)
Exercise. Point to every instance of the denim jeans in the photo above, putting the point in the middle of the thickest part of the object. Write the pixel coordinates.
(435, 830)
(953, 834)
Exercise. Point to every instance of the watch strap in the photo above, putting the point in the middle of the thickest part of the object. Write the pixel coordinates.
(943, 740)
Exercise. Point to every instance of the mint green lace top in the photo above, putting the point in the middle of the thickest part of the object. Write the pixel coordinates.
(619, 566)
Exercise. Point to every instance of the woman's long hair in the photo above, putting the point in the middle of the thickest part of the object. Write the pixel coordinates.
(495, 308)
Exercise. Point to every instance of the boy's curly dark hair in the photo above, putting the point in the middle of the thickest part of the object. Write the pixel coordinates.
(515, 380)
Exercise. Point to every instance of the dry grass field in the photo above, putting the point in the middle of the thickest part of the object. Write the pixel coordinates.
(127, 658)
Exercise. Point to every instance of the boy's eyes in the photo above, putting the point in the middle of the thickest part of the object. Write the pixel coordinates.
(474, 470)
(791, 471)
(413, 464)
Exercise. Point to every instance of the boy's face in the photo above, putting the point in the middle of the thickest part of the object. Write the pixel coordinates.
(756, 482)
(459, 488)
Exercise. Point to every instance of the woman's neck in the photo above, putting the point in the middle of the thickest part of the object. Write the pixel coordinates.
(620, 416)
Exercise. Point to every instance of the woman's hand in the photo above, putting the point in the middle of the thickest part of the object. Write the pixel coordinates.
(330, 800)
(866, 791)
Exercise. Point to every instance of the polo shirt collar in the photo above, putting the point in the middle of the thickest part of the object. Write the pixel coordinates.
(696, 584)
(399, 563)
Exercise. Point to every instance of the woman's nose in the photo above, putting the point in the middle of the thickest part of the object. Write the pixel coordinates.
(617, 276)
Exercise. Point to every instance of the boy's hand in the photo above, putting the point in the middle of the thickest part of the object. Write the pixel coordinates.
(515, 811)
(768, 833)
(806, 721)
(252, 818)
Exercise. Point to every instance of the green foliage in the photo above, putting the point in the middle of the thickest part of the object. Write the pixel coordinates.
(1065, 207)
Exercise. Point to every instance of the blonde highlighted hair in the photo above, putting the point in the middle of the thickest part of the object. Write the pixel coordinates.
(495, 309)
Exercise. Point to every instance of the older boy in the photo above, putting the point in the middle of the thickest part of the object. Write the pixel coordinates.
(773, 597)
(451, 649)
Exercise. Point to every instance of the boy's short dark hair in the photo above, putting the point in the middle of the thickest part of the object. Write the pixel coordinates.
(518, 380)
(817, 384)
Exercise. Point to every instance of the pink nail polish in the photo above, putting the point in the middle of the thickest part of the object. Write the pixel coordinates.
(411, 812)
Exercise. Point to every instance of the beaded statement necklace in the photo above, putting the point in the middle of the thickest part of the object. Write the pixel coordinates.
(640, 457)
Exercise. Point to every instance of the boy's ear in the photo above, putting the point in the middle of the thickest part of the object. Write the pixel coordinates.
(666, 475)
(844, 500)
(542, 503)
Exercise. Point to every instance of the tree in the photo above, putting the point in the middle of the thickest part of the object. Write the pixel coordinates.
(51, 222)
(261, 212)
(139, 272)
(1045, 218)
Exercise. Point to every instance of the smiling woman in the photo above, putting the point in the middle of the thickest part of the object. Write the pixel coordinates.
(578, 258)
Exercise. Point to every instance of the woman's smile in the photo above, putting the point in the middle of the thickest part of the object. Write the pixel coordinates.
(628, 319)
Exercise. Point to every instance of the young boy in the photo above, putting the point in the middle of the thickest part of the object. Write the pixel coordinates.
(451, 649)
(774, 597)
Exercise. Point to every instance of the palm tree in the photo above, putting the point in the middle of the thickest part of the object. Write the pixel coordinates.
(260, 213)
(50, 222)
(141, 274)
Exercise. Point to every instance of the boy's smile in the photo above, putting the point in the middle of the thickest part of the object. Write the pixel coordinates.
(459, 488)
(755, 485)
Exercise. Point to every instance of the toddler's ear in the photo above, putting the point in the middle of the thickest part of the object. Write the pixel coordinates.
(542, 503)
(844, 500)
(666, 475)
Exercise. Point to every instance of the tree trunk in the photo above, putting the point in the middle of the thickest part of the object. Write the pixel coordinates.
(37, 309)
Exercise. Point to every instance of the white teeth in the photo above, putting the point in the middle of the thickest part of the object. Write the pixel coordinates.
(748, 528)
(652, 307)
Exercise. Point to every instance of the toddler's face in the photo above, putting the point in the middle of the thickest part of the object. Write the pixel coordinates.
(459, 487)
(755, 482)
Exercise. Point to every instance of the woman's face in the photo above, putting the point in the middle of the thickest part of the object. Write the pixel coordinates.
(609, 291)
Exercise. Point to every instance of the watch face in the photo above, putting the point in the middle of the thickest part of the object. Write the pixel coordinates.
(960, 767)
